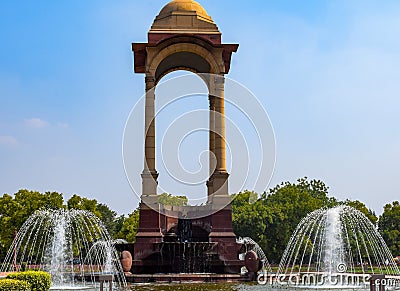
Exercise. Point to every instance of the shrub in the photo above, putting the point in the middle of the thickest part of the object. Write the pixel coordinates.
(38, 280)
(14, 285)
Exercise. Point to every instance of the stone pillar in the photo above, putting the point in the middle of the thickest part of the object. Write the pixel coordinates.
(150, 219)
(149, 174)
(220, 124)
(219, 179)
(221, 220)
(212, 157)
(212, 134)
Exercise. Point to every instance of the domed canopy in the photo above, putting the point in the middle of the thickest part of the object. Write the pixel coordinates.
(184, 16)
(183, 35)
(185, 5)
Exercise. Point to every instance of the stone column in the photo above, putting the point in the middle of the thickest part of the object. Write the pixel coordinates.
(220, 124)
(150, 219)
(149, 174)
(212, 158)
(212, 134)
(219, 178)
(221, 219)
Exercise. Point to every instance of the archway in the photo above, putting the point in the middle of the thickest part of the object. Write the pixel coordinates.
(201, 57)
(184, 36)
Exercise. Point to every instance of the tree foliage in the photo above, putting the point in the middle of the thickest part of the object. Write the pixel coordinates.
(78, 202)
(288, 203)
(15, 210)
(109, 218)
(129, 227)
(170, 200)
(271, 219)
(363, 209)
(249, 215)
(389, 226)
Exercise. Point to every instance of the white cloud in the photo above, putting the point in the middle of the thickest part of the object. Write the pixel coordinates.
(35, 123)
(8, 140)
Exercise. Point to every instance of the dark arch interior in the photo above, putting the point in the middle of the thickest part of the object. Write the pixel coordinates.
(181, 60)
(195, 232)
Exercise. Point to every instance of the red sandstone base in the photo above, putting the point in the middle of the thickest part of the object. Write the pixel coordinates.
(166, 244)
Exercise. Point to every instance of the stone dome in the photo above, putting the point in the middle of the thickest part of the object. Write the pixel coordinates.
(184, 6)
(184, 16)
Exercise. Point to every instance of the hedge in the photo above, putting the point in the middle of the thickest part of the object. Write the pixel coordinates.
(14, 285)
(38, 280)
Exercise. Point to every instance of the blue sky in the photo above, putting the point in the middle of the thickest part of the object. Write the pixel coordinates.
(325, 71)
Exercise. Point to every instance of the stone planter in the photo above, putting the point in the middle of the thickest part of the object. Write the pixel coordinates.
(126, 261)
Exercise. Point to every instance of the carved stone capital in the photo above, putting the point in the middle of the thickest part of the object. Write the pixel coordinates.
(150, 82)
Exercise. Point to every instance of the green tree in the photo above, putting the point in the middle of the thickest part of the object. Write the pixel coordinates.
(109, 218)
(129, 227)
(288, 203)
(119, 221)
(14, 211)
(30, 201)
(249, 215)
(170, 200)
(78, 202)
(362, 208)
(389, 226)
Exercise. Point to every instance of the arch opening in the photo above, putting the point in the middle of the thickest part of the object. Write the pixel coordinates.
(182, 143)
(182, 61)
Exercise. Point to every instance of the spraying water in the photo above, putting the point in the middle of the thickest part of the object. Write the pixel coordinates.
(334, 247)
(63, 243)
(339, 243)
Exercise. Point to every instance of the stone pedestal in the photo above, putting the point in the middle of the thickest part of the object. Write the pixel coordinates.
(210, 237)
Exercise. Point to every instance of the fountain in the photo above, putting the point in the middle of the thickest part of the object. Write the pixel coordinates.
(72, 245)
(335, 247)
(250, 245)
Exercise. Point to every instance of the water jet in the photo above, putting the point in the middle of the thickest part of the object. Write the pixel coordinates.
(335, 247)
(72, 245)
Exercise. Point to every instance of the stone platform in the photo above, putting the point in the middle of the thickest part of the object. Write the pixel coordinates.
(185, 278)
